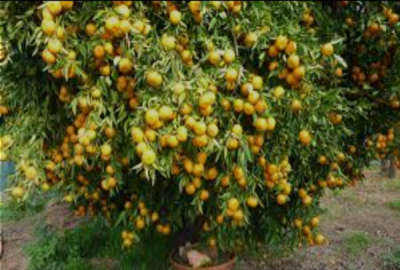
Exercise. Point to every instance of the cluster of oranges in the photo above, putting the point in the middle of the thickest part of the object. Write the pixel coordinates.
(382, 142)
(391, 16)
(295, 71)
(306, 230)
(276, 175)
(376, 72)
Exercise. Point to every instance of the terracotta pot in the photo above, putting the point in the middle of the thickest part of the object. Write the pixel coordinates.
(229, 265)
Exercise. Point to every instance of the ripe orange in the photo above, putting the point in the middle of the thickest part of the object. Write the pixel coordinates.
(168, 42)
(237, 129)
(105, 70)
(106, 149)
(154, 79)
(298, 73)
(172, 141)
(190, 189)
(319, 239)
(54, 46)
(182, 134)
(229, 56)
(48, 27)
(175, 17)
(148, 157)
(90, 29)
(200, 128)
(293, 61)
(30, 173)
(257, 82)
(197, 182)
(305, 137)
(225, 181)
(252, 202)
(214, 57)
(273, 51)
(98, 52)
(281, 42)
(48, 57)
(125, 65)
(151, 117)
(233, 204)
(291, 47)
(278, 92)
(314, 222)
(204, 195)
(112, 24)
(261, 124)
(323, 160)
(271, 123)
(339, 72)
(166, 113)
(298, 223)
(212, 130)
(137, 134)
(110, 132)
(248, 109)
(54, 7)
(67, 4)
(238, 215)
(327, 49)
(253, 97)
(238, 105)
(231, 75)
(250, 39)
(296, 105)
(111, 182)
(281, 199)
(198, 169)
(306, 200)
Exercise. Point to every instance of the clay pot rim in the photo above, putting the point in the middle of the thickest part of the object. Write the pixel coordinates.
(177, 265)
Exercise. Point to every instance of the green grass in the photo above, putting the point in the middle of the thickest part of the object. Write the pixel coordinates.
(395, 205)
(74, 248)
(392, 260)
(393, 185)
(13, 211)
(356, 242)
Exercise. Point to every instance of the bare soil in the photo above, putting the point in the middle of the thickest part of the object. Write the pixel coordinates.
(359, 209)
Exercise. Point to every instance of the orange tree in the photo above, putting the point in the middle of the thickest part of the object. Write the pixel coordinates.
(226, 118)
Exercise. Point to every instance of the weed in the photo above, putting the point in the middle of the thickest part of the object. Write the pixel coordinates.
(12, 210)
(393, 184)
(75, 248)
(50, 251)
(392, 260)
(395, 205)
(356, 242)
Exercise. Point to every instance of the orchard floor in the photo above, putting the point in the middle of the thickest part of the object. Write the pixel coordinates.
(362, 224)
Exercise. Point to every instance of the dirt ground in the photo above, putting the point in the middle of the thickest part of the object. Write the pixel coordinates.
(360, 226)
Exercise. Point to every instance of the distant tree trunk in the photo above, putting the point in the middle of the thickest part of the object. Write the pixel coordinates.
(392, 169)
(384, 170)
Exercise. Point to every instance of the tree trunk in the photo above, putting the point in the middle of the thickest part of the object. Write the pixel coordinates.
(392, 169)
(384, 170)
